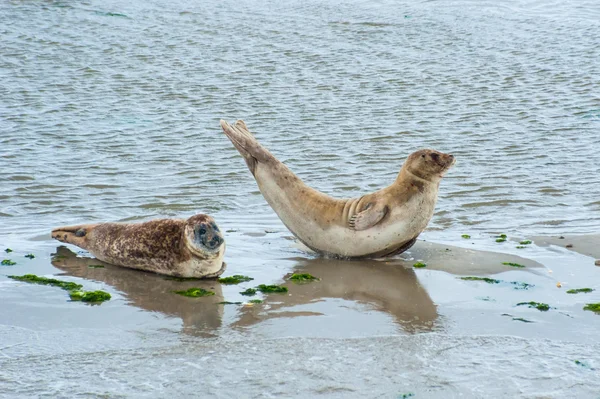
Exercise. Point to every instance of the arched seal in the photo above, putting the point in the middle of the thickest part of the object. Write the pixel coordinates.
(175, 247)
(379, 224)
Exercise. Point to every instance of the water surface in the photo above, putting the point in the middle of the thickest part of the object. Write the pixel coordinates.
(109, 112)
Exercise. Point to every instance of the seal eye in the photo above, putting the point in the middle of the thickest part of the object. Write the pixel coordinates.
(214, 227)
(423, 156)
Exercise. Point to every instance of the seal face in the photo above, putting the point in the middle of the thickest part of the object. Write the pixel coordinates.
(378, 224)
(184, 248)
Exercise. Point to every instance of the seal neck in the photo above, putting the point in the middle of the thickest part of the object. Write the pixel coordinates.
(405, 175)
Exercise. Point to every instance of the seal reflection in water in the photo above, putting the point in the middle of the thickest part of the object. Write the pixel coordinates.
(190, 248)
(387, 287)
(152, 292)
(379, 224)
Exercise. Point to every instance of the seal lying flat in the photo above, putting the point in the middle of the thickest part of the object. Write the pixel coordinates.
(379, 224)
(175, 247)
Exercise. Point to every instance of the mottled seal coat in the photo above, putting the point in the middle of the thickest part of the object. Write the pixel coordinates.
(379, 224)
(175, 247)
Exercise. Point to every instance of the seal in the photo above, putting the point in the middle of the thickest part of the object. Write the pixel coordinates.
(191, 248)
(379, 224)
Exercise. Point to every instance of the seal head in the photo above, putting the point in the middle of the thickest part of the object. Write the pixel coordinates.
(203, 237)
(430, 165)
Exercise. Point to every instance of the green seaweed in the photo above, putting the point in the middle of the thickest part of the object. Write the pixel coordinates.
(249, 292)
(89, 296)
(302, 278)
(525, 242)
(500, 239)
(195, 292)
(486, 279)
(593, 307)
(229, 303)
(410, 394)
(8, 262)
(521, 286)
(267, 289)
(8, 250)
(578, 290)
(235, 279)
(522, 319)
(542, 307)
(520, 246)
(466, 236)
(33, 279)
(502, 236)
(96, 266)
(419, 265)
(512, 264)
(255, 301)
(30, 256)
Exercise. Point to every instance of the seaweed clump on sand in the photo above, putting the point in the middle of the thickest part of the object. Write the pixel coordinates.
(249, 292)
(593, 307)
(542, 307)
(484, 279)
(466, 236)
(501, 238)
(302, 278)
(235, 279)
(74, 289)
(512, 264)
(418, 265)
(89, 296)
(525, 242)
(267, 289)
(521, 286)
(195, 292)
(33, 279)
(580, 290)
(8, 262)
(255, 301)
(30, 256)
(8, 250)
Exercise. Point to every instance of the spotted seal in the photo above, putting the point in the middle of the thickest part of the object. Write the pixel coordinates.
(174, 247)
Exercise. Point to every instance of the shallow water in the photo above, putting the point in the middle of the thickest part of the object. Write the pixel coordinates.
(110, 112)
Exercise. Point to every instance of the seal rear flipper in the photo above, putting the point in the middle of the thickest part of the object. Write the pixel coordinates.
(368, 217)
(75, 235)
(246, 144)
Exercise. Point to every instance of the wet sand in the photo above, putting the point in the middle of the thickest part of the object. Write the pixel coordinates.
(377, 319)
(584, 244)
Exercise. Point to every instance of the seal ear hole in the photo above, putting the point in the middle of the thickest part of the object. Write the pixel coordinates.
(423, 156)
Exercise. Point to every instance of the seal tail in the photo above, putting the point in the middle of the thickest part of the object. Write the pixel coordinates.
(75, 235)
(252, 151)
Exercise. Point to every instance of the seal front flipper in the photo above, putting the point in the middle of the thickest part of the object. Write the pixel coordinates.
(368, 218)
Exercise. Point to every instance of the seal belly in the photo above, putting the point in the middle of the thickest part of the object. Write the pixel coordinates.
(318, 220)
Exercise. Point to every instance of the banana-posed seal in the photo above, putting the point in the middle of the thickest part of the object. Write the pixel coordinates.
(175, 247)
(379, 224)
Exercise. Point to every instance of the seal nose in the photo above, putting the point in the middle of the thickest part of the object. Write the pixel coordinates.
(214, 242)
